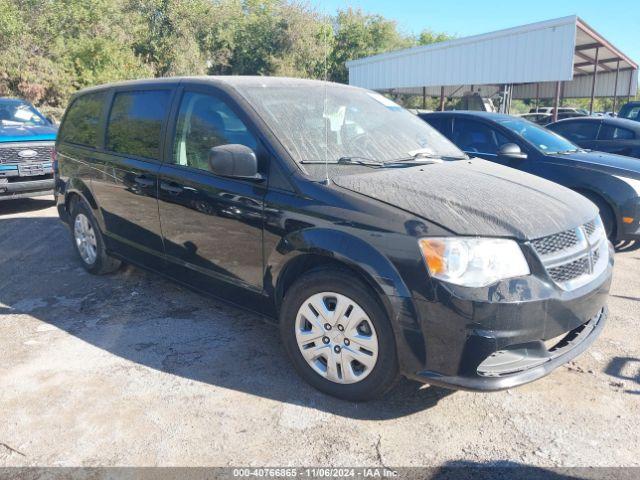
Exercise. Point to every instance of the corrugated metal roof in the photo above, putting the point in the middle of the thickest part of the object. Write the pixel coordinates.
(562, 49)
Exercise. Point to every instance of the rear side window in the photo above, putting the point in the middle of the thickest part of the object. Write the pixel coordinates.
(609, 132)
(632, 113)
(82, 120)
(135, 123)
(577, 131)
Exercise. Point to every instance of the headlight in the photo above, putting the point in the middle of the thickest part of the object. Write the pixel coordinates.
(473, 262)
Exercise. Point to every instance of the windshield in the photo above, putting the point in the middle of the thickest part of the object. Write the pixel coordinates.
(544, 140)
(317, 123)
(18, 113)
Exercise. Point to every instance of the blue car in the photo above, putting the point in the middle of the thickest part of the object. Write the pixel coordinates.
(611, 182)
(27, 140)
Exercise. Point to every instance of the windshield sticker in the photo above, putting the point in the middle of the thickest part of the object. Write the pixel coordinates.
(391, 105)
(23, 114)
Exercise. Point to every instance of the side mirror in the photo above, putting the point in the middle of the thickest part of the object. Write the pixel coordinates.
(511, 150)
(234, 160)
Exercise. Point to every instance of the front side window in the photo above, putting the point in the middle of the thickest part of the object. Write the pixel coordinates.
(135, 123)
(476, 137)
(577, 131)
(204, 122)
(542, 139)
(15, 112)
(439, 123)
(609, 132)
(317, 122)
(81, 122)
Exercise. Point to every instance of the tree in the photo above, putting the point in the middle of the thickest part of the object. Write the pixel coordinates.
(51, 48)
(428, 37)
(357, 34)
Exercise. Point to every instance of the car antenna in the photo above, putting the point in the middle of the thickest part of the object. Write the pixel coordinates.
(326, 181)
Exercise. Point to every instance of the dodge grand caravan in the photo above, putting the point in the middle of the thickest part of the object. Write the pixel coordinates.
(378, 247)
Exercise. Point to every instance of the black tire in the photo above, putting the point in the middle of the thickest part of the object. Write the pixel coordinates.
(103, 263)
(384, 373)
(606, 214)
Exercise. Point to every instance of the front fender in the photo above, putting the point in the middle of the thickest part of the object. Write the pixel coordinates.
(343, 247)
(372, 265)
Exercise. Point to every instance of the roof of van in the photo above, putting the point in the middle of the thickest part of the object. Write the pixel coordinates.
(226, 80)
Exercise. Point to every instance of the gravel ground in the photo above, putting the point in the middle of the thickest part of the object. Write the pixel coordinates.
(130, 369)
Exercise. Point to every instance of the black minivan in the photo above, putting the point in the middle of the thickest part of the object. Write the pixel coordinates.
(378, 246)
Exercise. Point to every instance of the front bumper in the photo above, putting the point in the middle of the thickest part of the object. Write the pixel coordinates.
(533, 362)
(26, 169)
(27, 188)
(476, 339)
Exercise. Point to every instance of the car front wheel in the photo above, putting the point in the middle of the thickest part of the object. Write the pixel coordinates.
(338, 336)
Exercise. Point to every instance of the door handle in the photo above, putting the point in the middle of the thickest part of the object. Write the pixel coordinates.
(172, 188)
(144, 181)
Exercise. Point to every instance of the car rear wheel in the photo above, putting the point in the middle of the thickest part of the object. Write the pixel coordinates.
(89, 243)
(338, 336)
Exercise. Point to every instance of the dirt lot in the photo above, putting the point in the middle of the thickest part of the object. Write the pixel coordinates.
(130, 369)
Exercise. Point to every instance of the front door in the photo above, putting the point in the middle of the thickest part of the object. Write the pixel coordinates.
(212, 225)
(126, 186)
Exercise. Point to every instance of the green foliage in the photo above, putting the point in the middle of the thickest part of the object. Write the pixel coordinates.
(357, 35)
(428, 37)
(51, 48)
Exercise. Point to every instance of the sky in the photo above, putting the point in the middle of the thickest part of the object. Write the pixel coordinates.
(617, 20)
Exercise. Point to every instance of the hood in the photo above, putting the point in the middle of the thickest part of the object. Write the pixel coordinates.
(605, 162)
(27, 133)
(477, 198)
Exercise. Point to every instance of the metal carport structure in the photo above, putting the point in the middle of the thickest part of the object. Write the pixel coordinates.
(560, 58)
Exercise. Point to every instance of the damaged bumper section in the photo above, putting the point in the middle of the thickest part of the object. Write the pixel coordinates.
(523, 363)
(507, 335)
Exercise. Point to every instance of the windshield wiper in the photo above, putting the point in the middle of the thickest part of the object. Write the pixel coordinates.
(424, 158)
(368, 162)
(419, 158)
(565, 152)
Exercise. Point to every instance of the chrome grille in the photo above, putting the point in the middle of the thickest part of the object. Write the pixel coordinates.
(11, 153)
(555, 243)
(573, 257)
(569, 271)
(590, 227)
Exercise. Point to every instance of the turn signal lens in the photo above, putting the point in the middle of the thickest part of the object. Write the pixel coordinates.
(627, 219)
(433, 252)
(473, 262)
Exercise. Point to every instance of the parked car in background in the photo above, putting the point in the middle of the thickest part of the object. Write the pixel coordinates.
(604, 134)
(26, 144)
(630, 111)
(539, 118)
(546, 118)
(561, 110)
(610, 181)
(374, 243)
